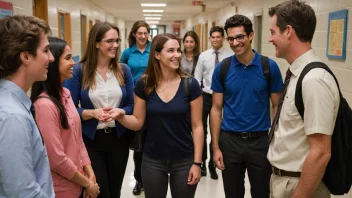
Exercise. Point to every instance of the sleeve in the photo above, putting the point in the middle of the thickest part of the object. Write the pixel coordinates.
(276, 83)
(48, 121)
(215, 81)
(139, 89)
(321, 101)
(128, 104)
(124, 56)
(74, 85)
(17, 174)
(198, 73)
(84, 154)
(195, 90)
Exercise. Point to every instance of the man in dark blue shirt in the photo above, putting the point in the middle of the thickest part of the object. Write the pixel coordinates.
(244, 97)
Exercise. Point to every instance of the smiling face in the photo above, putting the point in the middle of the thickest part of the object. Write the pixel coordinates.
(170, 55)
(239, 41)
(37, 66)
(108, 46)
(66, 64)
(216, 40)
(278, 39)
(189, 44)
(141, 36)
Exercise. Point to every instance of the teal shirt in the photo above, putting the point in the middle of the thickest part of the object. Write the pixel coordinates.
(136, 60)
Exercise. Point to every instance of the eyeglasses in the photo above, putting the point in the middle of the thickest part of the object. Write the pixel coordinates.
(112, 41)
(142, 33)
(238, 38)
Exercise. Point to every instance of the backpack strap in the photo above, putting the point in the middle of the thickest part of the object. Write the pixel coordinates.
(298, 95)
(186, 85)
(225, 66)
(266, 70)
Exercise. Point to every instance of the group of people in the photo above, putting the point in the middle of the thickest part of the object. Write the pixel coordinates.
(70, 138)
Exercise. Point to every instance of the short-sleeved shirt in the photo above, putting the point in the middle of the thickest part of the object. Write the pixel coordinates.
(246, 95)
(187, 65)
(136, 60)
(169, 131)
(290, 147)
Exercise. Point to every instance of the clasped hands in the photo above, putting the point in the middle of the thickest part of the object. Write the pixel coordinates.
(108, 114)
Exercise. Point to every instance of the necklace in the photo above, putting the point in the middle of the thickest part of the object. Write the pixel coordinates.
(162, 90)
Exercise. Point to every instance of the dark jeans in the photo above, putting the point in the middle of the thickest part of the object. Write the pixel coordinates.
(108, 155)
(245, 153)
(137, 158)
(207, 102)
(156, 175)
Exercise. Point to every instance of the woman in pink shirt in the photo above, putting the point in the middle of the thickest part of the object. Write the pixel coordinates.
(60, 126)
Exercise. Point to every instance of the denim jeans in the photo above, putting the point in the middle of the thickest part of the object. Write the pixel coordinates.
(156, 175)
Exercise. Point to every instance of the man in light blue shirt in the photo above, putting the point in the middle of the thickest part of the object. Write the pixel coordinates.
(24, 59)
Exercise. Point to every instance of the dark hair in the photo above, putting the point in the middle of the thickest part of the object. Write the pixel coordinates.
(153, 75)
(19, 34)
(90, 57)
(136, 25)
(52, 85)
(196, 50)
(238, 20)
(217, 29)
(297, 14)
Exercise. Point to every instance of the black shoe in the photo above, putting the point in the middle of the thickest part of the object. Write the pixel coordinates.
(138, 188)
(213, 173)
(203, 170)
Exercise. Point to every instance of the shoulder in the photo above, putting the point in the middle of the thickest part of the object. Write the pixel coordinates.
(126, 51)
(44, 103)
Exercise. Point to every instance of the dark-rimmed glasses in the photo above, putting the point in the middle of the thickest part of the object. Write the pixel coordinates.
(239, 37)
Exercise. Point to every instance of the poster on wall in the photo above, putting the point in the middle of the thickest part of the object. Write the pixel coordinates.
(337, 32)
(6, 9)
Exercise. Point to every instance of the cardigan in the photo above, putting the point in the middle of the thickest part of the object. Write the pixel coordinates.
(80, 96)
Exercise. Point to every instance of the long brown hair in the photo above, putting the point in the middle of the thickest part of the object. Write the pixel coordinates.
(90, 57)
(192, 34)
(153, 75)
(136, 25)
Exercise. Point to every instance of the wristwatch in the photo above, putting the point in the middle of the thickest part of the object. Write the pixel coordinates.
(197, 164)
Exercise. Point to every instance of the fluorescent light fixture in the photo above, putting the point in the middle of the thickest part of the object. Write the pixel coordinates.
(153, 10)
(153, 15)
(153, 4)
(152, 22)
(153, 26)
(152, 18)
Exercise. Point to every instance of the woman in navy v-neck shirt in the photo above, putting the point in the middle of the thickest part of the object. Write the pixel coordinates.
(174, 140)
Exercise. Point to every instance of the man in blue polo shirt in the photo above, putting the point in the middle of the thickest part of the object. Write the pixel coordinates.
(244, 95)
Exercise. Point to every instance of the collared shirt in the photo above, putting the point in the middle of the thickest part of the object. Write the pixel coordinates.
(246, 94)
(206, 65)
(66, 150)
(186, 65)
(136, 60)
(290, 147)
(106, 94)
(24, 164)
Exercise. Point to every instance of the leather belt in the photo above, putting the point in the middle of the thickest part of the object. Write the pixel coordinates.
(107, 129)
(283, 173)
(245, 135)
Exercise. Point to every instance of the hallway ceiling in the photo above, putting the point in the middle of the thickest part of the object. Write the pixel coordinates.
(175, 10)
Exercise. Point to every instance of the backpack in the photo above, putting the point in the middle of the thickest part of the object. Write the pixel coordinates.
(225, 66)
(338, 173)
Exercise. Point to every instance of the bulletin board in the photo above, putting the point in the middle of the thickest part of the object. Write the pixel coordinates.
(6, 8)
(337, 32)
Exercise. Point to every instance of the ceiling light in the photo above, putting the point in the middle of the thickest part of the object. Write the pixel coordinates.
(153, 10)
(153, 26)
(153, 15)
(153, 4)
(152, 22)
(152, 18)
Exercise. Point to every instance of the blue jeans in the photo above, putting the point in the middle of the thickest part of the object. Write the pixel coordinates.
(157, 173)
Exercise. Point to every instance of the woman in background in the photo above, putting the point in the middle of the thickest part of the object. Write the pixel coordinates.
(60, 126)
(190, 53)
(173, 110)
(103, 87)
(136, 57)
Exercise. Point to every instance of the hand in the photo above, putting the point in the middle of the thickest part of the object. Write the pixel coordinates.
(93, 190)
(194, 175)
(116, 113)
(102, 114)
(85, 194)
(218, 159)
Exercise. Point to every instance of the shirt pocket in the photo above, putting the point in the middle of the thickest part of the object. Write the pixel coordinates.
(289, 111)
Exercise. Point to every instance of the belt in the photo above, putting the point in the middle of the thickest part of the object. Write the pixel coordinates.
(246, 135)
(107, 129)
(283, 173)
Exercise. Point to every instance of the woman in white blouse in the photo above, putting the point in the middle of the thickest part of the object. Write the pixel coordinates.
(103, 88)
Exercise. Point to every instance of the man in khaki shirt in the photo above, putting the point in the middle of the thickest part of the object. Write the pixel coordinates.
(300, 150)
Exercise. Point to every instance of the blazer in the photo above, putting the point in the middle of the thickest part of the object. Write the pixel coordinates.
(80, 96)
